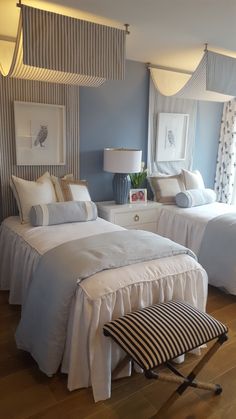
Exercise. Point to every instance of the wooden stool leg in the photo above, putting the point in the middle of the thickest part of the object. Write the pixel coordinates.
(120, 366)
(202, 362)
(189, 380)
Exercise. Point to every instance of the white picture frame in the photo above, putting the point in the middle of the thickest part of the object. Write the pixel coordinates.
(172, 134)
(40, 134)
(138, 196)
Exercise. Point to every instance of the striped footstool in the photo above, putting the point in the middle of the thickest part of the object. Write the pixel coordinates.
(155, 335)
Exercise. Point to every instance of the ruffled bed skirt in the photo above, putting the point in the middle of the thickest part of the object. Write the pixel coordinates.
(17, 263)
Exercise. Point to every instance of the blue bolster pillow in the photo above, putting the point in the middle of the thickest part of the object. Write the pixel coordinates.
(62, 212)
(195, 197)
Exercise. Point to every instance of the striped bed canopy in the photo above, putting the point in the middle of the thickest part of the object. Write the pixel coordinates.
(213, 80)
(55, 48)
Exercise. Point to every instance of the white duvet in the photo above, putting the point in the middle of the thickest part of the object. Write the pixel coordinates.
(89, 357)
(186, 226)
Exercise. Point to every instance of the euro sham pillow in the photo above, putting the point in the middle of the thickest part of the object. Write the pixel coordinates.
(195, 197)
(62, 212)
(165, 188)
(193, 180)
(75, 190)
(58, 187)
(28, 193)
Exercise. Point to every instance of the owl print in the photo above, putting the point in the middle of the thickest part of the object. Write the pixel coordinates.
(41, 136)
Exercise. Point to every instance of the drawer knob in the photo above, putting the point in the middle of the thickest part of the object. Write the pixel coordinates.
(136, 217)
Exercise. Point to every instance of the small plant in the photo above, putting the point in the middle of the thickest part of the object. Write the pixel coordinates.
(137, 179)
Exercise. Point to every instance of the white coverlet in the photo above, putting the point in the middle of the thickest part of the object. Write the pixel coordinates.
(89, 357)
(186, 226)
(21, 246)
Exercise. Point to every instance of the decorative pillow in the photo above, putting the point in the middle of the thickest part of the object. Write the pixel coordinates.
(195, 197)
(57, 185)
(193, 180)
(62, 212)
(165, 188)
(28, 193)
(75, 190)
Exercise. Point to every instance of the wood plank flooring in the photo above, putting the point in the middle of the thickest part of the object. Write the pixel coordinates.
(26, 393)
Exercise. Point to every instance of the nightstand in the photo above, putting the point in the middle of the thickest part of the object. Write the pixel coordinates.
(130, 216)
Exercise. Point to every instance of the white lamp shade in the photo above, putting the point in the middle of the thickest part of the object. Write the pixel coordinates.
(122, 160)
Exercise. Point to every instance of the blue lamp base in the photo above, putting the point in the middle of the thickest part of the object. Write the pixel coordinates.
(121, 187)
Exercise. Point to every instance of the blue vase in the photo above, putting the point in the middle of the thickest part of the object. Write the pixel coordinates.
(121, 188)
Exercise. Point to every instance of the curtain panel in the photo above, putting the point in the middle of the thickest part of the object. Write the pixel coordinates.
(226, 160)
(159, 103)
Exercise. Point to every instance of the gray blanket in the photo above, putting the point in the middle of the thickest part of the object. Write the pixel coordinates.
(218, 251)
(43, 325)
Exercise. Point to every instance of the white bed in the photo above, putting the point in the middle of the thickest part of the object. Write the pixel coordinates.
(187, 226)
(89, 357)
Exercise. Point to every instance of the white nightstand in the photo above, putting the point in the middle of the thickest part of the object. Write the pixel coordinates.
(131, 216)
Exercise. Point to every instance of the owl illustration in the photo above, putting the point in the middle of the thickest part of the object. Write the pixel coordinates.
(171, 138)
(41, 136)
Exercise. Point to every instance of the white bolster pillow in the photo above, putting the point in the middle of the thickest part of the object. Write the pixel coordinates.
(195, 197)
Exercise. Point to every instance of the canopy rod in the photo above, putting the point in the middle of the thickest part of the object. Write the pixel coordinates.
(126, 25)
(7, 38)
(176, 70)
(162, 67)
(127, 31)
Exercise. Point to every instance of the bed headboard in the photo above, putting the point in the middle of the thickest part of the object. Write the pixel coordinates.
(39, 92)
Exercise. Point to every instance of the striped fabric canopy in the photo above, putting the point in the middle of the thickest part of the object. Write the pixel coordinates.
(55, 48)
(213, 80)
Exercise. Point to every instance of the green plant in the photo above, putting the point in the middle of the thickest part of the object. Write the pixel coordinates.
(137, 179)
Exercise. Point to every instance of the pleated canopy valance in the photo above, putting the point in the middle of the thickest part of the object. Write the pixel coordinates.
(214, 79)
(56, 48)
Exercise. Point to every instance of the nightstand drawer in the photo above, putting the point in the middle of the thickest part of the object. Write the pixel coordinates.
(135, 218)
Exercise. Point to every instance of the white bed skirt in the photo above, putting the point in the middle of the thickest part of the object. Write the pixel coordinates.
(90, 357)
(18, 261)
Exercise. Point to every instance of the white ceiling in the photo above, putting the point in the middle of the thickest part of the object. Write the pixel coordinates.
(166, 32)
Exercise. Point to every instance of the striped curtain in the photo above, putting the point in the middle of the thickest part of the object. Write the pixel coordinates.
(226, 160)
(61, 49)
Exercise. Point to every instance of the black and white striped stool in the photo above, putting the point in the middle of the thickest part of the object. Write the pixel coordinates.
(155, 335)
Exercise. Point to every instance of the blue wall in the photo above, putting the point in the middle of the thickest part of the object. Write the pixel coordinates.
(116, 115)
(207, 138)
(113, 115)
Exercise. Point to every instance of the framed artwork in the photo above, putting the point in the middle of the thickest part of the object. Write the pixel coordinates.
(138, 196)
(172, 134)
(40, 133)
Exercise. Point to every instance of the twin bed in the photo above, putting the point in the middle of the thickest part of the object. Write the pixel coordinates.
(88, 357)
(210, 232)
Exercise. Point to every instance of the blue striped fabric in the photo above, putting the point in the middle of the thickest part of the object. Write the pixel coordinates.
(63, 212)
(55, 48)
(57, 42)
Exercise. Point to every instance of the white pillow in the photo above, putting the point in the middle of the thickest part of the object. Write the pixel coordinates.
(57, 185)
(28, 193)
(193, 180)
(165, 188)
(75, 190)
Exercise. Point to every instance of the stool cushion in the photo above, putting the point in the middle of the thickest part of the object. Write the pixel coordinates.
(156, 334)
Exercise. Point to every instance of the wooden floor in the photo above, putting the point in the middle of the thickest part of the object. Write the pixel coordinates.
(27, 393)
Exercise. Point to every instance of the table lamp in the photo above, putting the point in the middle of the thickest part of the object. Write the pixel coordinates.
(121, 162)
